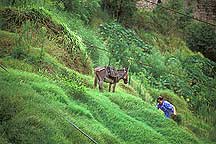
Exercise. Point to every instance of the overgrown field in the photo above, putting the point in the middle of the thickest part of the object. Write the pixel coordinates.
(48, 50)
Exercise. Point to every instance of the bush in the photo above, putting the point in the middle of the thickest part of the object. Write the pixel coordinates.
(121, 10)
(200, 73)
(82, 8)
(26, 3)
(124, 46)
(201, 37)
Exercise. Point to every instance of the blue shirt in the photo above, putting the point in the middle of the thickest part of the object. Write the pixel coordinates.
(166, 107)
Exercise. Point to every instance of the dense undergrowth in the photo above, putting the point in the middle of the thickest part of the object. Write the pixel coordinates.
(49, 49)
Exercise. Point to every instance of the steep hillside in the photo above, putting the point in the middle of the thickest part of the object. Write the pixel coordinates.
(47, 54)
(35, 109)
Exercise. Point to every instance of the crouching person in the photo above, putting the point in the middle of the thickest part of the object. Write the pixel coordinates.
(168, 109)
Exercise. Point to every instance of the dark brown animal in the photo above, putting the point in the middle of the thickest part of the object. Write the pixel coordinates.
(109, 75)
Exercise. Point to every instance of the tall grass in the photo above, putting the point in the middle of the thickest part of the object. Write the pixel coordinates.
(94, 45)
(36, 107)
(34, 110)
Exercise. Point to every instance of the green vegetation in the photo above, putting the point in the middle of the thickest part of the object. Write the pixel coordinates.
(36, 108)
(120, 10)
(48, 50)
(201, 38)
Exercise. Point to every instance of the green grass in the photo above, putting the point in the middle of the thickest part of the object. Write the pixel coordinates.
(142, 111)
(33, 108)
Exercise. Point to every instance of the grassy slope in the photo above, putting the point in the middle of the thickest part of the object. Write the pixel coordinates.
(35, 103)
(33, 110)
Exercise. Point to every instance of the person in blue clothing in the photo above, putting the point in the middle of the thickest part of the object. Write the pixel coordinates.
(168, 109)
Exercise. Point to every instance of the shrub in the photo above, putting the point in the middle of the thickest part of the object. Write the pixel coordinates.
(201, 37)
(124, 46)
(26, 3)
(162, 19)
(82, 8)
(121, 10)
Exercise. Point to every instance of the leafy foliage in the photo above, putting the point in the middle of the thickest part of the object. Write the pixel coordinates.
(82, 8)
(25, 3)
(201, 73)
(120, 9)
(125, 47)
(163, 20)
(201, 37)
(161, 72)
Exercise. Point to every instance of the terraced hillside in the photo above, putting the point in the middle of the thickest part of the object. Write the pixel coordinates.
(47, 58)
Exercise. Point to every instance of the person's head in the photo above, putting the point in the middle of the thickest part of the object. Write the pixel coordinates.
(160, 99)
